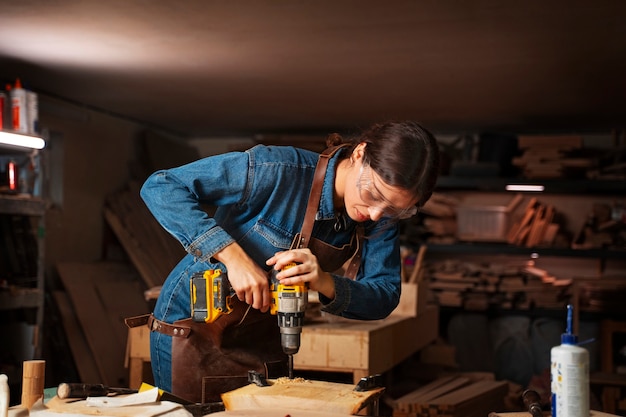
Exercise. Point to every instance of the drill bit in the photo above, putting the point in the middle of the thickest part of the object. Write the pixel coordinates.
(290, 359)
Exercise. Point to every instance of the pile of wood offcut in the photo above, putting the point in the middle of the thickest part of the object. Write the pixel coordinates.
(453, 396)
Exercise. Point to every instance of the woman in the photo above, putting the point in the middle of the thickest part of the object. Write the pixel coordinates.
(261, 196)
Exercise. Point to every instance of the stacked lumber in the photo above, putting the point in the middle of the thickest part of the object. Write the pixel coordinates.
(477, 287)
(438, 221)
(152, 250)
(453, 396)
(536, 227)
(551, 156)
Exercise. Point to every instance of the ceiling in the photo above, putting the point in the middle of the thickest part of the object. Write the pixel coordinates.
(199, 68)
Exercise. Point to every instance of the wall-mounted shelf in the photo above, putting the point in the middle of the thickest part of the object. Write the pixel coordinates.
(23, 247)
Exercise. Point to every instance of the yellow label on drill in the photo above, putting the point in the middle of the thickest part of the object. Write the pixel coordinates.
(280, 292)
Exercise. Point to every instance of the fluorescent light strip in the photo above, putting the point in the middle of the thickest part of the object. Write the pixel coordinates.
(522, 187)
(24, 141)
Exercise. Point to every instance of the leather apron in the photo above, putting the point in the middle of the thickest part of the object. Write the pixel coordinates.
(209, 359)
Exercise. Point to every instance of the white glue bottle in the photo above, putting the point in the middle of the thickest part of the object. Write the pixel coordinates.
(4, 395)
(569, 375)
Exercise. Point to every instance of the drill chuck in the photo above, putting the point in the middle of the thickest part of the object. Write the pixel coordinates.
(290, 325)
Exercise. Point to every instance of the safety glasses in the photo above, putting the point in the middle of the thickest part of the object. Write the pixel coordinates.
(373, 198)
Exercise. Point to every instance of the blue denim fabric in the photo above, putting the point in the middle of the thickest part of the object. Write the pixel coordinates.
(261, 195)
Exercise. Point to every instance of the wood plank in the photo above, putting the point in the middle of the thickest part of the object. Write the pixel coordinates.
(101, 305)
(152, 250)
(403, 402)
(85, 362)
(300, 394)
(80, 408)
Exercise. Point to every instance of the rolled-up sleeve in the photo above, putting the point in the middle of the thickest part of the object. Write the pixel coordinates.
(176, 196)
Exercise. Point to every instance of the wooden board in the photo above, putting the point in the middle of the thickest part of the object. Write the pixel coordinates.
(455, 396)
(301, 394)
(85, 362)
(80, 408)
(102, 295)
(152, 250)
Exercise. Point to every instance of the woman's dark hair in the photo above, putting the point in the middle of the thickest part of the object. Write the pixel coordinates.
(403, 154)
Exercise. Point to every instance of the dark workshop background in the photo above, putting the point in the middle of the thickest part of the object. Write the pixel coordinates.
(128, 87)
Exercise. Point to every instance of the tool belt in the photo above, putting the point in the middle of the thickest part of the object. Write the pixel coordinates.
(209, 359)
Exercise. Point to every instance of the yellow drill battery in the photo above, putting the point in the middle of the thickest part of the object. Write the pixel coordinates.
(211, 295)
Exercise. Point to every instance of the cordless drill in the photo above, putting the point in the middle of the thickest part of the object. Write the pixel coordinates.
(289, 304)
(211, 296)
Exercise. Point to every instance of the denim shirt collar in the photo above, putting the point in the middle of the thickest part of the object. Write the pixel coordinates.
(327, 208)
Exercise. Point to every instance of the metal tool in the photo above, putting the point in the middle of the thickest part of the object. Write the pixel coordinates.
(533, 402)
(257, 378)
(289, 304)
(369, 383)
(78, 390)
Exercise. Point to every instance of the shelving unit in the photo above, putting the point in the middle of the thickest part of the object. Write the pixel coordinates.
(22, 297)
(21, 273)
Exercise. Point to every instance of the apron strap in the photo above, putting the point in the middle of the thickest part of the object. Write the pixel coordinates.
(313, 204)
(315, 195)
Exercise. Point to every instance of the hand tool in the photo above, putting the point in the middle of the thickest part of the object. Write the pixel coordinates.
(257, 378)
(533, 402)
(369, 382)
(289, 303)
(78, 390)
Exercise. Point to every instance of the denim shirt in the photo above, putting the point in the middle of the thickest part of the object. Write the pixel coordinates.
(261, 197)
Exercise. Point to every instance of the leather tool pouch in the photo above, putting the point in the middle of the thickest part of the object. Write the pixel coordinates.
(216, 357)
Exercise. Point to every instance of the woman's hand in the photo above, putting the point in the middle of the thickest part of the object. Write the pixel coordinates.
(307, 269)
(249, 281)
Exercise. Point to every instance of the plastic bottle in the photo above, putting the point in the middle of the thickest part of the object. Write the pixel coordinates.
(569, 375)
(3, 100)
(18, 108)
(4, 395)
(32, 112)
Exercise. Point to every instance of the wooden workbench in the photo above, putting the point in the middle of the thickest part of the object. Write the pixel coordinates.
(365, 348)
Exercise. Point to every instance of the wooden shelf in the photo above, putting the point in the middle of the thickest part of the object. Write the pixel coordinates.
(23, 205)
(17, 298)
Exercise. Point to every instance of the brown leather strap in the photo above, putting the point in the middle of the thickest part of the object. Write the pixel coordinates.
(315, 195)
(355, 262)
(156, 325)
(303, 238)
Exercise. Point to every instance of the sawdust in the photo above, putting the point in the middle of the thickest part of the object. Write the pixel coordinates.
(286, 380)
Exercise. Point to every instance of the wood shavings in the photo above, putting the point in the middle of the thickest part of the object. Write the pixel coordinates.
(286, 380)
